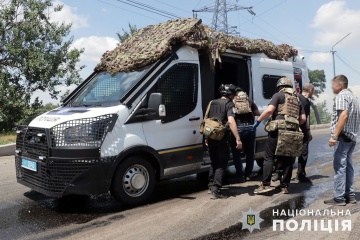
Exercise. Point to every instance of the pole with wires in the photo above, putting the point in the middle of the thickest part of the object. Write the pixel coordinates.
(220, 9)
(333, 52)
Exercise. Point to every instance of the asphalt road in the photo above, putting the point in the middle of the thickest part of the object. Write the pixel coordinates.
(179, 209)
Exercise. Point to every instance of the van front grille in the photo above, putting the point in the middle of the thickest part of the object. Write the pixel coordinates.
(55, 175)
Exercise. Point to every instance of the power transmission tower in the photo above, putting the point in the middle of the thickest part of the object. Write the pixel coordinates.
(220, 9)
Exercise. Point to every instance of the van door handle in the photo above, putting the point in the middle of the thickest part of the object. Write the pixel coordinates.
(194, 118)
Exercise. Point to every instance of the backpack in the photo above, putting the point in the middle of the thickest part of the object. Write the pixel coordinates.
(242, 104)
(213, 128)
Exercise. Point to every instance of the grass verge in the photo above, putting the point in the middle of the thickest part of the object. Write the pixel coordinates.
(6, 138)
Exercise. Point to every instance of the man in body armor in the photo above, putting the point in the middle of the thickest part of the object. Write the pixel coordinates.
(284, 141)
(221, 109)
(245, 111)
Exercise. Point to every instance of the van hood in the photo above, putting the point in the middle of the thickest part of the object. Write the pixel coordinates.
(64, 114)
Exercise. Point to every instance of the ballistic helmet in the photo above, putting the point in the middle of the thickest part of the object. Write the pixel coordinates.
(227, 89)
(284, 82)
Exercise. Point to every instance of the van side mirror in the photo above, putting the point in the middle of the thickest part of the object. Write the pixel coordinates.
(156, 102)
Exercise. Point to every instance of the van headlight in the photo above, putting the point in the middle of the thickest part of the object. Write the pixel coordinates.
(87, 132)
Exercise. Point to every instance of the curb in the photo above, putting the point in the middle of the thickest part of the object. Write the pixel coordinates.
(320, 126)
(7, 150)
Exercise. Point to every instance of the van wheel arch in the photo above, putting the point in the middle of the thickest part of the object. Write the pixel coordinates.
(140, 151)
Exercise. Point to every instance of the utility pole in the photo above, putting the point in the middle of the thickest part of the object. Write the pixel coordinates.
(220, 9)
(333, 52)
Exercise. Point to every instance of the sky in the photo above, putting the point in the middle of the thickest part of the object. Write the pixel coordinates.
(311, 26)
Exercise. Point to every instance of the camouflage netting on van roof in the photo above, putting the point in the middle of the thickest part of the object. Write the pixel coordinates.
(153, 42)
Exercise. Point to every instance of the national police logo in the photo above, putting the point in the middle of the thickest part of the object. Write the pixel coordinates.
(251, 220)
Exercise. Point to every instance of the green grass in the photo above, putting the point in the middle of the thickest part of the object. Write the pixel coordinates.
(7, 138)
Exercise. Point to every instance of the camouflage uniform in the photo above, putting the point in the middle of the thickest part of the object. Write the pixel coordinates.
(286, 115)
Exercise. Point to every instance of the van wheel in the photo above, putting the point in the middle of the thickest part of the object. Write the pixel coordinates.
(260, 162)
(133, 181)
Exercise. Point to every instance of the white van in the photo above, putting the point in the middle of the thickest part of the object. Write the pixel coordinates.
(124, 132)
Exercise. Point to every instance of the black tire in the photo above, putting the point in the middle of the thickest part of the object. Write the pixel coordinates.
(260, 162)
(133, 170)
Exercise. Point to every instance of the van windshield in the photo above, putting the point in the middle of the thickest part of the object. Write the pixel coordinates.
(106, 89)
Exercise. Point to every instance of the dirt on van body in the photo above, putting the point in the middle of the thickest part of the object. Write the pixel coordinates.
(151, 43)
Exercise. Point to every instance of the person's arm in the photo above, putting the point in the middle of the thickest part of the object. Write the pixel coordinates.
(233, 128)
(344, 115)
(267, 113)
(255, 109)
(308, 129)
(302, 119)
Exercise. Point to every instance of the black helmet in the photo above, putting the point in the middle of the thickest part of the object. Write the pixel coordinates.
(227, 89)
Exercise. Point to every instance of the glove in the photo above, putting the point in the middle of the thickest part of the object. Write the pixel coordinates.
(256, 124)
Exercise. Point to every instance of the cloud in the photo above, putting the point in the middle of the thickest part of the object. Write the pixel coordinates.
(320, 58)
(94, 46)
(68, 15)
(333, 21)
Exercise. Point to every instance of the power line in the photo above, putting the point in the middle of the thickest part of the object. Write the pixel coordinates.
(172, 6)
(113, 5)
(183, 10)
(197, 4)
(220, 10)
(153, 8)
(259, 3)
(257, 15)
(282, 33)
(313, 51)
(261, 28)
(347, 64)
(145, 9)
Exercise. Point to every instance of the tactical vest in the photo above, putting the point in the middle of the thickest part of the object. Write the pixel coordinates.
(218, 110)
(291, 107)
(242, 104)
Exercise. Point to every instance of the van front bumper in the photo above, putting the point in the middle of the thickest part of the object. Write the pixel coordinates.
(57, 177)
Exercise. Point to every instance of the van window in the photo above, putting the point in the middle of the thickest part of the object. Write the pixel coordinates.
(179, 87)
(107, 89)
(269, 85)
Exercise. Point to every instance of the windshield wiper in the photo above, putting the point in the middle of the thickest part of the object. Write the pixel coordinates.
(88, 105)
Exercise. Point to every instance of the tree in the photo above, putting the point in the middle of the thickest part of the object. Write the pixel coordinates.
(126, 34)
(318, 79)
(35, 54)
(323, 112)
(65, 95)
(47, 107)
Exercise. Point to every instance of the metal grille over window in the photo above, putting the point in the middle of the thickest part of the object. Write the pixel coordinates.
(179, 88)
(269, 85)
(107, 88)
(86, 132)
